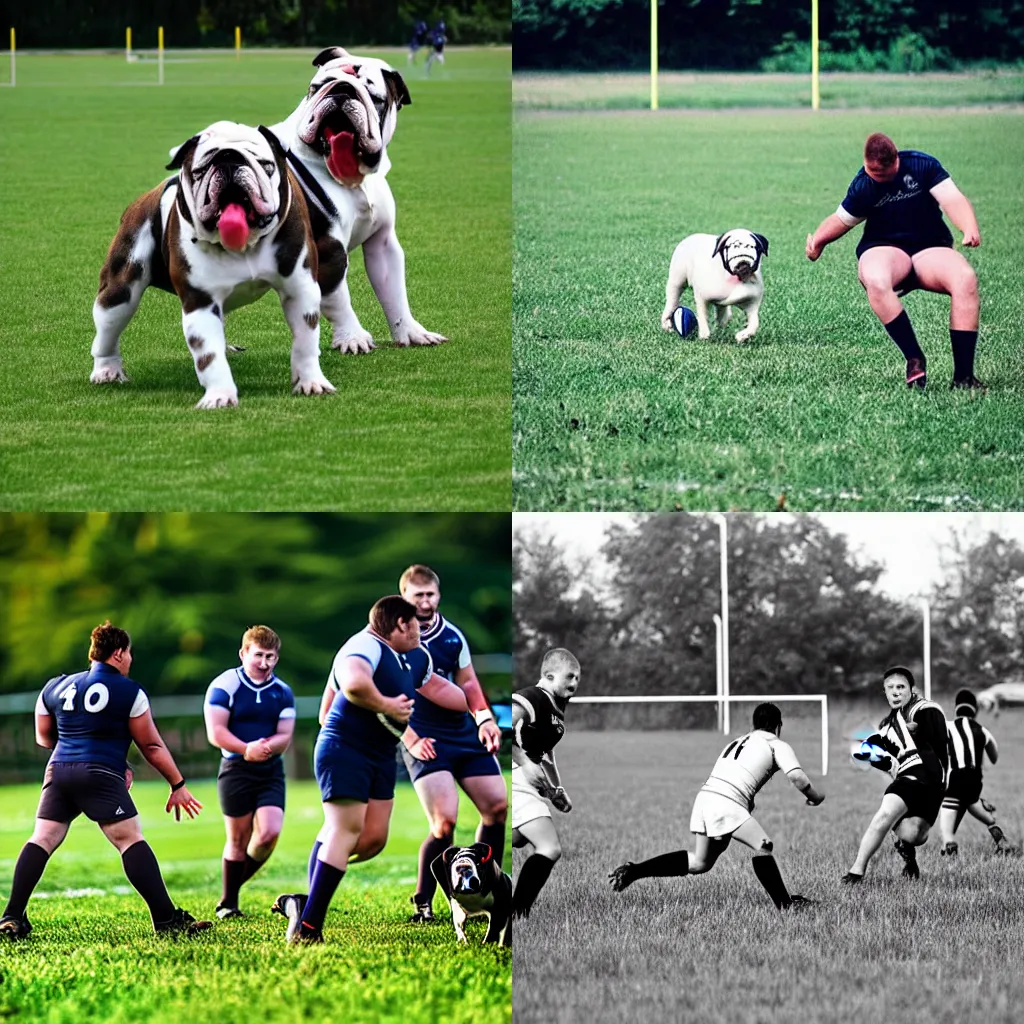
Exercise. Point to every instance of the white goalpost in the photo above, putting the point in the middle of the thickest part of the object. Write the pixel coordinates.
(707, 698)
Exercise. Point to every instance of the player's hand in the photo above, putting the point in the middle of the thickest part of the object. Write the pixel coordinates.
(816, 799)
(883, 764)
(972, 239)
(182, 800)
(399, 708)
(423, 749)
(560, 800)
(988, 807)
(490, 736)
(258, 750)
(129, 777)
(811, 250)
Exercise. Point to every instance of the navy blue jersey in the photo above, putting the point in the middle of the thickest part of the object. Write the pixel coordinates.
(438, 38)
(255, 708)
(544, 723)
(394, 674)
(902, 211)
(92, 710)
(419, 34)
(449, 652)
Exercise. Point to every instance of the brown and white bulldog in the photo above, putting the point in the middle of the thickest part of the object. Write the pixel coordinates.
(337, 141)
(229, 226)
(476, 886)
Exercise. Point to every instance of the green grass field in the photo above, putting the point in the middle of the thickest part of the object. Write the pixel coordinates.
(713, 949)
(84, 135)
(93, 957)
(612, 413)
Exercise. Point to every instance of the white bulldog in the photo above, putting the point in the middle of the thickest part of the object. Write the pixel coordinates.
(337, 142)
(229, 226)
(724, 271)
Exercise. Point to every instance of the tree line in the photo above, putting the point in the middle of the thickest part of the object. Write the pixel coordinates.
(768, 35)
(192, 23)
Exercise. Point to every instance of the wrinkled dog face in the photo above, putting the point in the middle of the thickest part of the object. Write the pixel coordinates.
(233, 184)
(464, 874)
(349, 114)
(741, 252)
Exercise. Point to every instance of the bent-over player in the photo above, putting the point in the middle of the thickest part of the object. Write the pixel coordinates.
(913, 735)
(723, 811)
(89, 720)
(538, 723)
(250, 715)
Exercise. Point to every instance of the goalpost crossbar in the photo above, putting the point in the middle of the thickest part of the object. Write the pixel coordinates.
(710, 698)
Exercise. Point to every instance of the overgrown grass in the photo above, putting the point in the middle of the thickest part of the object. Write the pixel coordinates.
(712, 948)
(94, 957)
(83, 136)
(610, 412)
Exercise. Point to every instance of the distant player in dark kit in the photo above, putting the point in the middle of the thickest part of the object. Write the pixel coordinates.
(419, 38)
(373, 682)
(901, 196)
(437, 41)
(969, 743)
(723, 811)
(913, 735)
(538, 723)
(89, 720)
(464, 746)
(250, 715)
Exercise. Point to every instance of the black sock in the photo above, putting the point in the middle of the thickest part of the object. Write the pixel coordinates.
(143, 872)
(426, 883)
(252, 866)
(326, 879)
(770, 877)
(901, 332)
(231, 875)
(27, 872)
(312, 861)
(665, 865)
(532, 876)
(494, 837)
(993, 830)
(964, 343)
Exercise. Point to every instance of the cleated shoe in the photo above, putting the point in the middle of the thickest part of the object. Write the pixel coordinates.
(622, 876)
(182, 923)
(1004, 847)
(306, 935)
(950, 850)
(970, 383)
(224, 912)
(909, 854)
(291, 906)
(851, 879)
(424, 913)
(15, 927)
(798, 902)
(916, 377)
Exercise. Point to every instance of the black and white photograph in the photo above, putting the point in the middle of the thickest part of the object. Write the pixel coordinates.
(767, 768)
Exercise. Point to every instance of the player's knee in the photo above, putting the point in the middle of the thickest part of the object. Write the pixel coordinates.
(267, 838)
(442, 828)
(966, 284)
(552, 850)
(766, 846)
(495, 812)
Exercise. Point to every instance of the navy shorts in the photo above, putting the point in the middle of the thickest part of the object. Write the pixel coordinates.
(922, 796)
(964, 787)
(80, 787)
(243, 786)
(464, 760)
(344, 772)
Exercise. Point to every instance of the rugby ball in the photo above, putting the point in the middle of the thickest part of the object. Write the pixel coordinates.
(684, 321)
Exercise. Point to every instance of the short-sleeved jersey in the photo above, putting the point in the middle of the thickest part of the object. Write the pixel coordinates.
(747, 764)
(544, 725)
(449, 652)
(967, 742)
(926, 749)
(901, 211)
(255, 708)
(92, 710)
(394, 674)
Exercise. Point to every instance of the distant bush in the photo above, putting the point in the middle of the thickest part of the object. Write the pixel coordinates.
(909, 52)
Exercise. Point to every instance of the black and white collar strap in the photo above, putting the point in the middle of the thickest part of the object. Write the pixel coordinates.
(314, 191)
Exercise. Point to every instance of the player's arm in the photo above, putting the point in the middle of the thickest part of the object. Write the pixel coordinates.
(534, 775)
(834, 226)
(990, 746)
(355, 680)
(46, 726)
(931, 728)
(151, 745)
(326, 701)
(557, 794)
(421, 747)
(444, 694)
(799, 779)
(282, 738)
(957, 207)
(487, 728)
(217, 730)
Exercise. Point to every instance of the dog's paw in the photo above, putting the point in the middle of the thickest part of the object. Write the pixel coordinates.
(218, 398)
(354, 344)
(417, 334)
(319, 385)
(666, 322)
(108, 371)
(742, 336)
(703, 335)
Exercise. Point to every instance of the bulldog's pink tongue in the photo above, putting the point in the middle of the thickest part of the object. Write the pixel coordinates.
(233, 227)
(342, 162)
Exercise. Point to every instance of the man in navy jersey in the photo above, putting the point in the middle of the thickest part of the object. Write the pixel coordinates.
(969, 743)
(89, 720)
(900, 195)
(437, 40)
(464, 746)
(914, 736)
(419, 37)
(250, 715)
(373, 682)
(538, 723)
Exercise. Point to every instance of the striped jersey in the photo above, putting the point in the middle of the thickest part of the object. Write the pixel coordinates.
(747, 764)
(921, 750)
(544, 725)
(967, 742)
